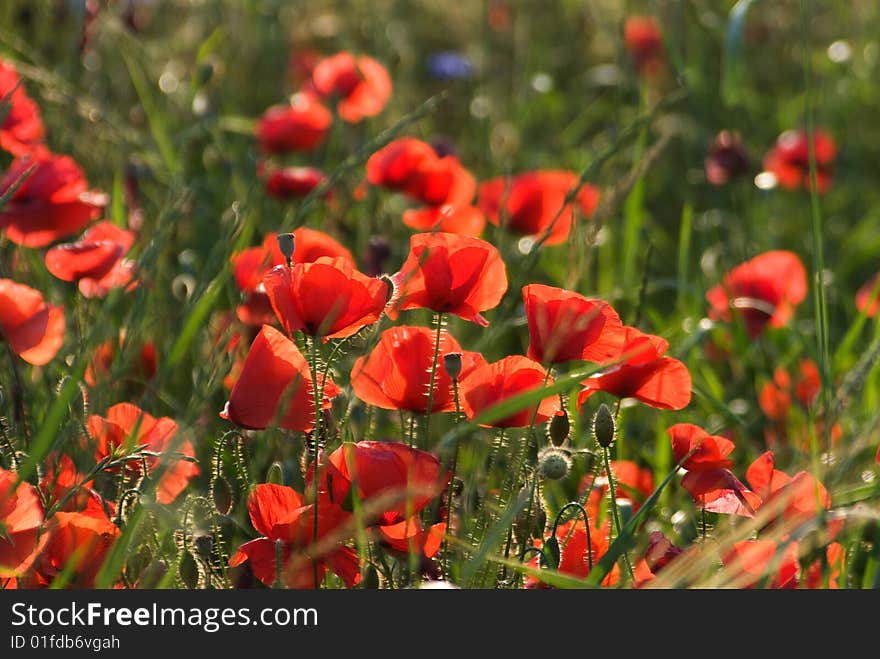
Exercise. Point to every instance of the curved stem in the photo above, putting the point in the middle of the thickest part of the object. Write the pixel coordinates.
(575, 504)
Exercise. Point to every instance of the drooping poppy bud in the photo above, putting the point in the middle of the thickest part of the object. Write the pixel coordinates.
(559, 428)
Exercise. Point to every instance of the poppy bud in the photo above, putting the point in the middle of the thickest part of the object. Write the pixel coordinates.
(204, 544)
(452, 362)
(370, 578)
(188, 571)
(559, 428)
(550, 557)
(539, 521)
(554, 464)
(603, 426)
(221, 492)
(287, 243)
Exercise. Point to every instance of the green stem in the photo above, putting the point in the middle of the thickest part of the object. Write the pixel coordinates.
(447, 559)
(316, 437)
(439, 322)
(613, 494)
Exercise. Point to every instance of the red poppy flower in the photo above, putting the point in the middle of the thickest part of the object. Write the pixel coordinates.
(34, 329)
(750, 562)
(633, 483)
(564, 326)
(727, 158)
(63, 483)
(361, 85)
(396, 375)
(53, 201)
(835, 556)
(710, 451)
(21, 516)
(645, 374)
(463, 220)
(661, 552)
(22, 130)
(275, 374)
(95, 260)
(795, 499)
(399, 479)
(142, 361)
(868, 296)
(644, 42)
(532, 203)
(399, 165)
(789, 159)
(764, 290)
(300, 126)
(489, 384)
(409, 536)
(327, 297)
(77, 541)
(576, 553)
(126, 427)
(279, 513)
(292, 182)
(449, 274)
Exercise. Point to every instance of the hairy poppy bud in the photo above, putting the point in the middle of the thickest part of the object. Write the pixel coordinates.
(221, 492)
(287, 243)
(452, 362)
(554, 464)
(188, 571)
(204, 544)
(551, 555)
(559, 428)
(275, 474)
(603, 426)
(370, 579)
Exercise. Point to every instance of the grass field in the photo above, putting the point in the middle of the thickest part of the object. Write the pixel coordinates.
(584, 290)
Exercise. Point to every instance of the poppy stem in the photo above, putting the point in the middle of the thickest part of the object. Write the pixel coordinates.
(316, 437)
(447, 560)
(438, 320)
(18, 395)
(613, 495)
(583, 511)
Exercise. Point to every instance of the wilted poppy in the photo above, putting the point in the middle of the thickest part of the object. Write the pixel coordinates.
(95, 260)
(77, 547)
(396, 375)
(753, 562)
(33, 329)
(644, 373)
(21, 516)
(53, 202)
(22, 129)
(394, 481)
(300, 126)
(533, 203)
(275, 385)
(292, 182)
(361, 85)
(449, 273)
(763, 291)
(727, 158)
(789, 159)
(280, 513)
(566, 326)
(489, 384)
(644, 42)
(327, 297)
(125, 428)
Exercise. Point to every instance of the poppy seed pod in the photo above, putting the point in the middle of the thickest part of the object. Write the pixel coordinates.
(554, 464)
(603, 426)
(452, 363)
(559, 428)
(287, 244)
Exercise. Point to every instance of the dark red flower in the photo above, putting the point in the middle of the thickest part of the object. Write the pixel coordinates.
(644, 373)
(22, 130)
(292, 182)
(361, 85)
(661, 552)
(34, 329)
(95, 260)
(489, 384)
(21, 516)
(279, 513)
(394, 481)
(275, 375)
(53, 202)
(566, 326)
(78, 543)
(644, 42)
(396, 375)
(727, 158)
(751, 562)
(533, 203)
(327, 297)
(449, 274)
(789, 159)
(300, 126)
(764, 290)
(126, 427)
